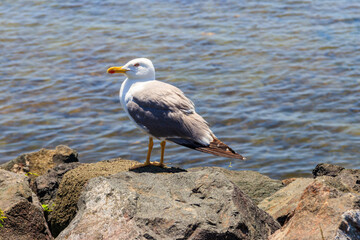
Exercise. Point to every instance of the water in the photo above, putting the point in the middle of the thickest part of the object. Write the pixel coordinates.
(277, 80)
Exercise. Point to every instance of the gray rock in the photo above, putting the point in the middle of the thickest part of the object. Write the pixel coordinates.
(349, 179)
(67, 196)
(24, 214)
(253, 184)
(325, 169)
(349, 228)
(47, 185)
(189, 205)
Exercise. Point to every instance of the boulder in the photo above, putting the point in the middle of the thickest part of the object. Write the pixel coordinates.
(349, 228)
(202, 204)
(318, 213)
(317, 208)
(349, 179)
(24, 214)
(46, 185)
(64, 206)
(282, 204)
(253, 184)
(39, 162)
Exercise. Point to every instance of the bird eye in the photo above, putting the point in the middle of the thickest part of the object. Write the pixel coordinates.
(136, 64)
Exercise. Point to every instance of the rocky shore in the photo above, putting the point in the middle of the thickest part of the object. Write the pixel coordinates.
(49, 194)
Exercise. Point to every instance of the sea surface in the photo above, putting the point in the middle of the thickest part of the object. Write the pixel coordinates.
(279, 81)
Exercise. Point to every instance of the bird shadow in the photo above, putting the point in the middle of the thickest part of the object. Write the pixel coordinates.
(156, 169)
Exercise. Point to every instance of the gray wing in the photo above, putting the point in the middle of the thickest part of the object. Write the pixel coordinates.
(165, 112)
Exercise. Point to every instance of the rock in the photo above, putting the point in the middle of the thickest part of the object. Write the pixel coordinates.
(349, 179)
(253, 184)
(317, 213)
(39, 162)
(65, 208)
(282, 204)
(24, 214)
(287, 181)
(349, 228)
(201, 204)
(325, 169)
(47, 185)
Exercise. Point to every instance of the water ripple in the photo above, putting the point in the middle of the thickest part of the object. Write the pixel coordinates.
(278, 81)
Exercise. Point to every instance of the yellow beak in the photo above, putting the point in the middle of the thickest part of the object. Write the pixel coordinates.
(117, 70)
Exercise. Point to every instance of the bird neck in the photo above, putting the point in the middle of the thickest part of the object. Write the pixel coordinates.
(130, 82)
(143, 79)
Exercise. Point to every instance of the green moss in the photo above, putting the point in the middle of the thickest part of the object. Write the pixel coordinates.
(46, 208)
(2, 217)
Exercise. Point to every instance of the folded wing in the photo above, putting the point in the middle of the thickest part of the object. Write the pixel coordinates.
(163, 111)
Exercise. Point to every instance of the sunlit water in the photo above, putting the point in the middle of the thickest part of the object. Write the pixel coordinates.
(279, 81)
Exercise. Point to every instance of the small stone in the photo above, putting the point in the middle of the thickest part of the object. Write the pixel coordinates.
(287, 181)
(325, 169)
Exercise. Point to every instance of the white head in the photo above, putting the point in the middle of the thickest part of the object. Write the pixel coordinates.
(137, 69)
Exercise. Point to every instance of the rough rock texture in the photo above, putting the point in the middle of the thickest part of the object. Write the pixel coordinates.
(325, 169)
(350, 179)
(281, 204)
(73, 181)
(24, 215)
(254, 184)
(349, 228)
(46, 185)
(200, 204)
(39, 162)
(287, 181)
(319, 212)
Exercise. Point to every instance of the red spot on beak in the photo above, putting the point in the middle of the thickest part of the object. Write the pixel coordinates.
(111, 71)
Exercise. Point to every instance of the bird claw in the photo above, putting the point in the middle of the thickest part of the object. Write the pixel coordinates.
(156, 164)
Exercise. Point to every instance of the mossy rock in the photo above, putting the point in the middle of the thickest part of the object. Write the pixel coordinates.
(65, 203)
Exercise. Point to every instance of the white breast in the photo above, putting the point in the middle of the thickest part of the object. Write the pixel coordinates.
(125, 94)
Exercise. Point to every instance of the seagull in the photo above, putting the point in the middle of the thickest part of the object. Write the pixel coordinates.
(162, 111)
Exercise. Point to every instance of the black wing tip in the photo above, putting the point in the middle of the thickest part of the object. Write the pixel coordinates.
(221, 152)
(216, 147)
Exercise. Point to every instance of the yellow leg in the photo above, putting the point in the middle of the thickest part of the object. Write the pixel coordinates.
(147, 162)
(150, 147)
(162, 144)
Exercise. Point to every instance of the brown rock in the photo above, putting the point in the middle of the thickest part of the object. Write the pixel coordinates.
(287, 181)
(282, 204)
(24, 215)
(319, 208)
(318, 212)
(39, 162)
